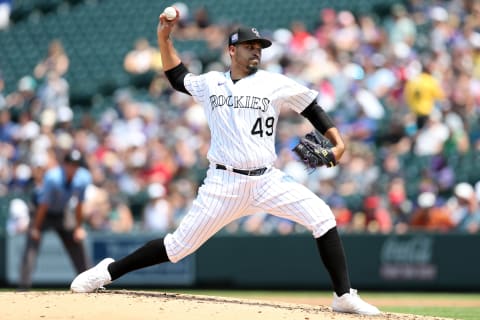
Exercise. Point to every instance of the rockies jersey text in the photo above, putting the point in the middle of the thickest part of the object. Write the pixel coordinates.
(243, 116)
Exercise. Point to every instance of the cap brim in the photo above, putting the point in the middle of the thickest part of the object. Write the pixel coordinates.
(265, 43)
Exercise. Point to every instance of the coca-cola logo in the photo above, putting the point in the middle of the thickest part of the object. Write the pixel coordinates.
(408, 259)
(418, 249)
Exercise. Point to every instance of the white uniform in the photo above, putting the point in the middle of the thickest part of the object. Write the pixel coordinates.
(242, 118)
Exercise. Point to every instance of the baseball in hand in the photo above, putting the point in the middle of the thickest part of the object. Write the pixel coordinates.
(170, 13)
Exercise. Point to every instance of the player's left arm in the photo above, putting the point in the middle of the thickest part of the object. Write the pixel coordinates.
(322, 122)
(336, 139)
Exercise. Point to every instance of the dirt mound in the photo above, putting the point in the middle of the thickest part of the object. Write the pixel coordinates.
(123, 304)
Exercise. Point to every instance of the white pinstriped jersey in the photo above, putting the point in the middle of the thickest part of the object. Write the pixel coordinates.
(243, 116)
(242, 119)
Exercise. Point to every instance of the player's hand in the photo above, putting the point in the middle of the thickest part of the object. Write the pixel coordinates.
(35, 234)
(164, 27)
(79, 234)
(338, 152)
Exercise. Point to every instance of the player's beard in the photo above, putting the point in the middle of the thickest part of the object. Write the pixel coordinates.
(252, 69)
(253, 66)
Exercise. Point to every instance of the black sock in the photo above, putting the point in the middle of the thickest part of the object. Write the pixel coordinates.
(331, 251)
(152, 253)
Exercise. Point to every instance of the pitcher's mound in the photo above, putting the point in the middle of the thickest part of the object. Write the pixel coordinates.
(124, 304)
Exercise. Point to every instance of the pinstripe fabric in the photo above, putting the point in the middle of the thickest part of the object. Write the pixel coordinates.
(280, 195)
(234, 111)
(242, 118)
(222, 198)
(226, 196)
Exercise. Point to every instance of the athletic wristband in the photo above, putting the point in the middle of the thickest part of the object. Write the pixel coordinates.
(318, 117)
(176, 75)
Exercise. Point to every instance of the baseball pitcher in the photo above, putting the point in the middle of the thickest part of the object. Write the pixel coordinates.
(242, 107)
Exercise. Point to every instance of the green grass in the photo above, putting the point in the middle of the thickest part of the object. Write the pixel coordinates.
(446, 311)
(464, 313)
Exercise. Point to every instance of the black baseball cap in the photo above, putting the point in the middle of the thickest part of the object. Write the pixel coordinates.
(244, 34)
(74, 157)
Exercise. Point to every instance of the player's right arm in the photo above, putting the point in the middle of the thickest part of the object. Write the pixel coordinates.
(173, 67)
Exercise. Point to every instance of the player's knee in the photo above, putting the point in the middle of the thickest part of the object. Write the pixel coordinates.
(175, 250)
(319, 229)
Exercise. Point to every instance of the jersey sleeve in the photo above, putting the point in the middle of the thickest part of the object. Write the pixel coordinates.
(196, 85)
(293, 95)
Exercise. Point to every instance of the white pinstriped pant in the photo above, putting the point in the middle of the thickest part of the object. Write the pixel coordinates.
(226, 196)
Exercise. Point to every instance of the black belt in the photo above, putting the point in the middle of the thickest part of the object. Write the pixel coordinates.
(254, 172)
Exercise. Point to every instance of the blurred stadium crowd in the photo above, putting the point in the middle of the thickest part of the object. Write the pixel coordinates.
(404, 90)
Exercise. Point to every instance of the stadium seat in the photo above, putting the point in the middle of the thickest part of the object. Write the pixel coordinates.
(97, 37)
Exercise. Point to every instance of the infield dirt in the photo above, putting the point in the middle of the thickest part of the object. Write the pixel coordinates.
(123, 304)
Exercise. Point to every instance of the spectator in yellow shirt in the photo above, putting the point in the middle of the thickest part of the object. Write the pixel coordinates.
(421, 92)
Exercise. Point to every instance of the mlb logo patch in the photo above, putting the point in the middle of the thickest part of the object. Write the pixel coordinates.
(234, 38)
